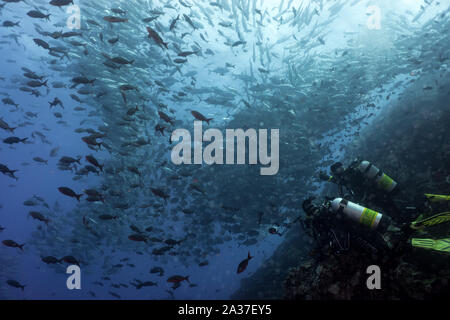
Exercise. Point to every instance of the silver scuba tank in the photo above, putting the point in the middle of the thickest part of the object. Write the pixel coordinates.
(382, 180)
(357, 213)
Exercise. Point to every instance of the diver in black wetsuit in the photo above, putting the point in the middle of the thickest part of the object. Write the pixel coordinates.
(334, 232)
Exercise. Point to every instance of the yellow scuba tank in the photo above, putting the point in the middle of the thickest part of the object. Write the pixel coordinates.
(357, 213)
(382, 180)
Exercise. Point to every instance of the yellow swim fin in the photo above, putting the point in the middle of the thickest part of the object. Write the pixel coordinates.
(438, 245)
(437, 197)
(431, 221)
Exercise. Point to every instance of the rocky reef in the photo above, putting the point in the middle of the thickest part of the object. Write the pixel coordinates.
(344, 277)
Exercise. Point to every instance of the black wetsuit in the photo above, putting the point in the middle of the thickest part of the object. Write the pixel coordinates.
(336, 233)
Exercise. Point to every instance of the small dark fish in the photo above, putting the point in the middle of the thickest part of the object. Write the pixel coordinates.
(30, 203)
(177, 279)
(31, 114)
(113, 40)
(5, 126)
(92, 169)
(203, 263)
(157, 270)
(118, 11)
(128, 87)
(155, 36)
(82, 80)
(14, 140)
(107, 217)
(146, 284)
(135, 229)
(56, 102)
(74, 97)
(9, 24)
(94, 162)
(120, 60)
(149, 19)
(61, 3)
(70, 260)
(50, 260)
(13, 244)
(114, 294)
(188, 20)
(137, 237)
(160, 129)
(159, 193)
(32, 75)
(113, 19)
(173, 23)
(6, 171)
(91, 141)
(71, 34)
(37, 84)
(38, 14)
(199, 116)
(111, 65)
(38, 216)
(9, 101)
(172, 242)
(70, 193)
(132, 111)
(54, 152)
(15, 284)
(186, 53)
(134, 170)
(42, 43)
(92, 22)
(165, 117)
(179, 61)
(69, 160)
(244, 263)
(237, 43)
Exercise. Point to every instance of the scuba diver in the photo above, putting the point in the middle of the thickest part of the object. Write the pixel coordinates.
(332, 225)
(362, 182)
